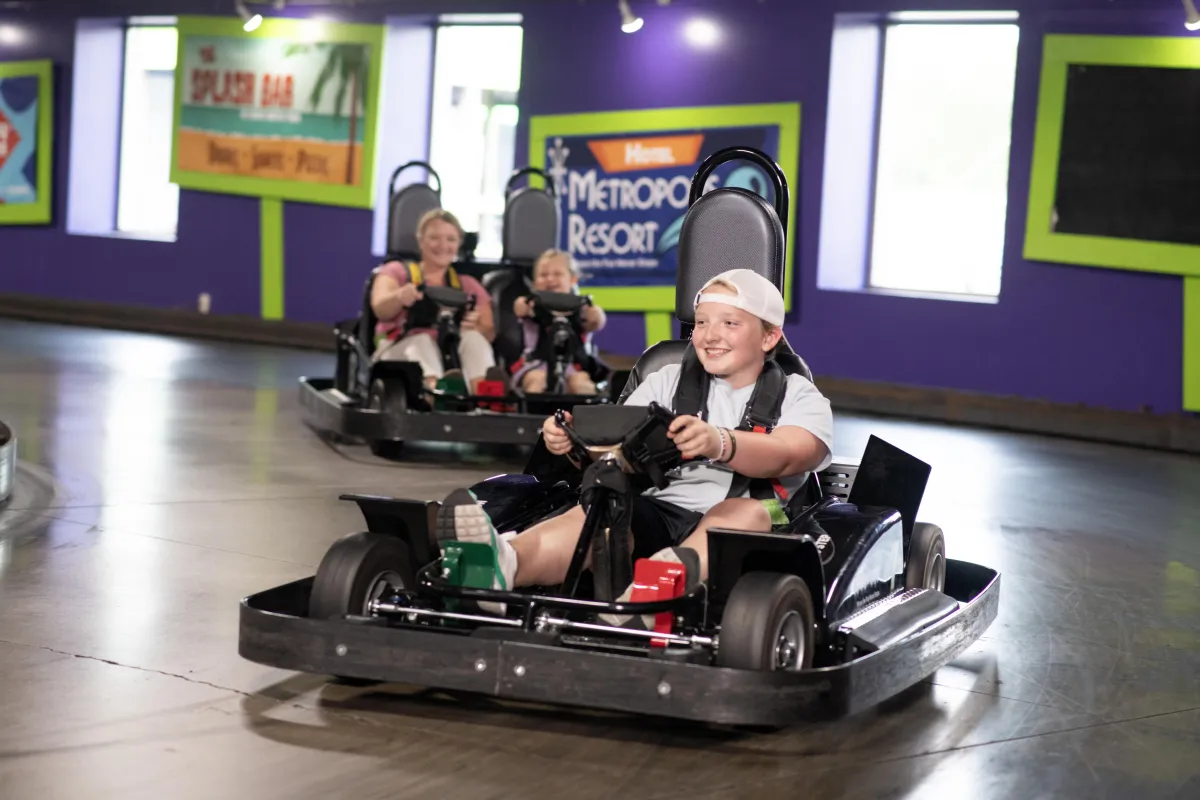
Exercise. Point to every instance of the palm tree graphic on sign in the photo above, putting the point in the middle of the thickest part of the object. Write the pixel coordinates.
(349, 63)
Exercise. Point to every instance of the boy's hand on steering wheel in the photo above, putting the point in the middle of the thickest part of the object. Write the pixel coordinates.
(523, 307)
(408, 294)
(555, 437)
(695, 438)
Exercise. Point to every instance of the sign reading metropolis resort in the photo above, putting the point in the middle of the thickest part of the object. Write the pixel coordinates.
(622, 198)
(273, 108)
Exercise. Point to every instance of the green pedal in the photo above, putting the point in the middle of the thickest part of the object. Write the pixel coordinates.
(454, 386)
(468, 564)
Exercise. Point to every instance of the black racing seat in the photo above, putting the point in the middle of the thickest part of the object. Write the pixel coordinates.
(504, 286)
(530, 228)
(724, 229)
(530, 220)
(405, 209)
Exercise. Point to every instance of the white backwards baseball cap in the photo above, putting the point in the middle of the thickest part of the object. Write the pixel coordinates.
(755, 294)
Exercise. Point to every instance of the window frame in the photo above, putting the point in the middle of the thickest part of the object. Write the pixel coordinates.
(884, 26)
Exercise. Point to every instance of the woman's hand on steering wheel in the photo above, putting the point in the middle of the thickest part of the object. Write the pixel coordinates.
(408, 294)
(695, 438)
(556, 439)
(470, 320)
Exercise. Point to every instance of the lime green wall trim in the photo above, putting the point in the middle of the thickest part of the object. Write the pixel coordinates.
(785, 115)
(1041, 243)
(39, 212)
(271, 231)
(658, 327)
(1191, 344)
(361, 196)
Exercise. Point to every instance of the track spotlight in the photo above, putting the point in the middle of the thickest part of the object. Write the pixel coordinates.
(251, 21)
(632, 24)
(1192, 20)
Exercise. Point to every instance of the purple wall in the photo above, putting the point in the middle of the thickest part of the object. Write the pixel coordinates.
(1059, 333)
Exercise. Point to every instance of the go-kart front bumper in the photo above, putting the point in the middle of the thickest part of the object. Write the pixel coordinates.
(504, 663)
(328, 409)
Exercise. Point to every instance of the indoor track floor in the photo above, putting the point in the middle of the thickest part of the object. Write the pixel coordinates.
(186, 480)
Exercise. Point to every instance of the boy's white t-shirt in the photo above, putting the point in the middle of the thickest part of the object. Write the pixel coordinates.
(699, 487)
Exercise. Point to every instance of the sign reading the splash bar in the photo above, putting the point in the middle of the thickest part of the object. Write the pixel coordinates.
(287, 111)
(622, 181)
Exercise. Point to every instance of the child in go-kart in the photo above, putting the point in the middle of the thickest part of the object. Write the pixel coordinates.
(395, 298)
(738, 316)
(554, 271)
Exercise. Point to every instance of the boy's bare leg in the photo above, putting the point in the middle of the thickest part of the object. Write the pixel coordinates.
(738, 513)
(544, 551)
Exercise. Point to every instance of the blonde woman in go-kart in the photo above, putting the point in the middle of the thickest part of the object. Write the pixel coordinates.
(407, 329)
(738, 316)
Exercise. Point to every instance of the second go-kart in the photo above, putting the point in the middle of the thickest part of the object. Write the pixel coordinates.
(849, 602)
(387, 403)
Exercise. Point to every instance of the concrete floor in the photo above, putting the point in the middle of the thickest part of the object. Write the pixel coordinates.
(186, 481)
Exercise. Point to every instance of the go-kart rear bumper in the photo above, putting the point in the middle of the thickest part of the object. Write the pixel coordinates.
(275, 631)
(327, 409)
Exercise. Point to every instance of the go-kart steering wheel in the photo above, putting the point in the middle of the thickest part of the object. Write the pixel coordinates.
(643, 449)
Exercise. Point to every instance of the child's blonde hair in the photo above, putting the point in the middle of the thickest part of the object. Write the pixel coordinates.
(572, 264)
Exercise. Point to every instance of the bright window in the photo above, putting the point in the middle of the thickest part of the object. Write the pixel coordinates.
(147, 201)
(941, 183)
(476, 76)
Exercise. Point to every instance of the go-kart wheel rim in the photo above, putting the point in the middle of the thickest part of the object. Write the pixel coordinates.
(790, 642)
(935, 572)
(383, 583)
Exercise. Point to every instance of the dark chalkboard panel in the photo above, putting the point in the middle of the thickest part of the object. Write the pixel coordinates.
(1129, 165)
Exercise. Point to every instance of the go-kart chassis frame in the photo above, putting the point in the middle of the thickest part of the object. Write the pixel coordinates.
(512, 664)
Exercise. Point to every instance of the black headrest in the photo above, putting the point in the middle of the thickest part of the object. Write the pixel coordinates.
(406, 208)
(530, 225)
(728, 228)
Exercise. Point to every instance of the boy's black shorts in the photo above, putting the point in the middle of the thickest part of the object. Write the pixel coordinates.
(658, 524)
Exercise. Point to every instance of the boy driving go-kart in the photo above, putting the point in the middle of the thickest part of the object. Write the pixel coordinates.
(744, 479)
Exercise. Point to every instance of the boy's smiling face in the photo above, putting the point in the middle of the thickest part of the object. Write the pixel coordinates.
(730, 342)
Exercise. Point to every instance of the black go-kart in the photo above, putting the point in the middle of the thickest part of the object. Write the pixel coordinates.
(850, 602)
(562, 345)
(387, 403)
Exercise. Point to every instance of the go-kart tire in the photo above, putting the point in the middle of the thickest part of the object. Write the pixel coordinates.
(353, 569)
(762, 609)
(926, 567)
(390, 398)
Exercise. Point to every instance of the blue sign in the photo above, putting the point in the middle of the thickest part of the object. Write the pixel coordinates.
(622, 197)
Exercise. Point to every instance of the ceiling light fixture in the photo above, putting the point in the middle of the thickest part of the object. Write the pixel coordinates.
(629, 23)
(250, 21)
(1192, 20)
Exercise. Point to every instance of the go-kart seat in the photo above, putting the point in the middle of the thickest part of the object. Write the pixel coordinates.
(504, 286)
(530, 225)
(530, 228)
(405, 209)
(725, 228)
